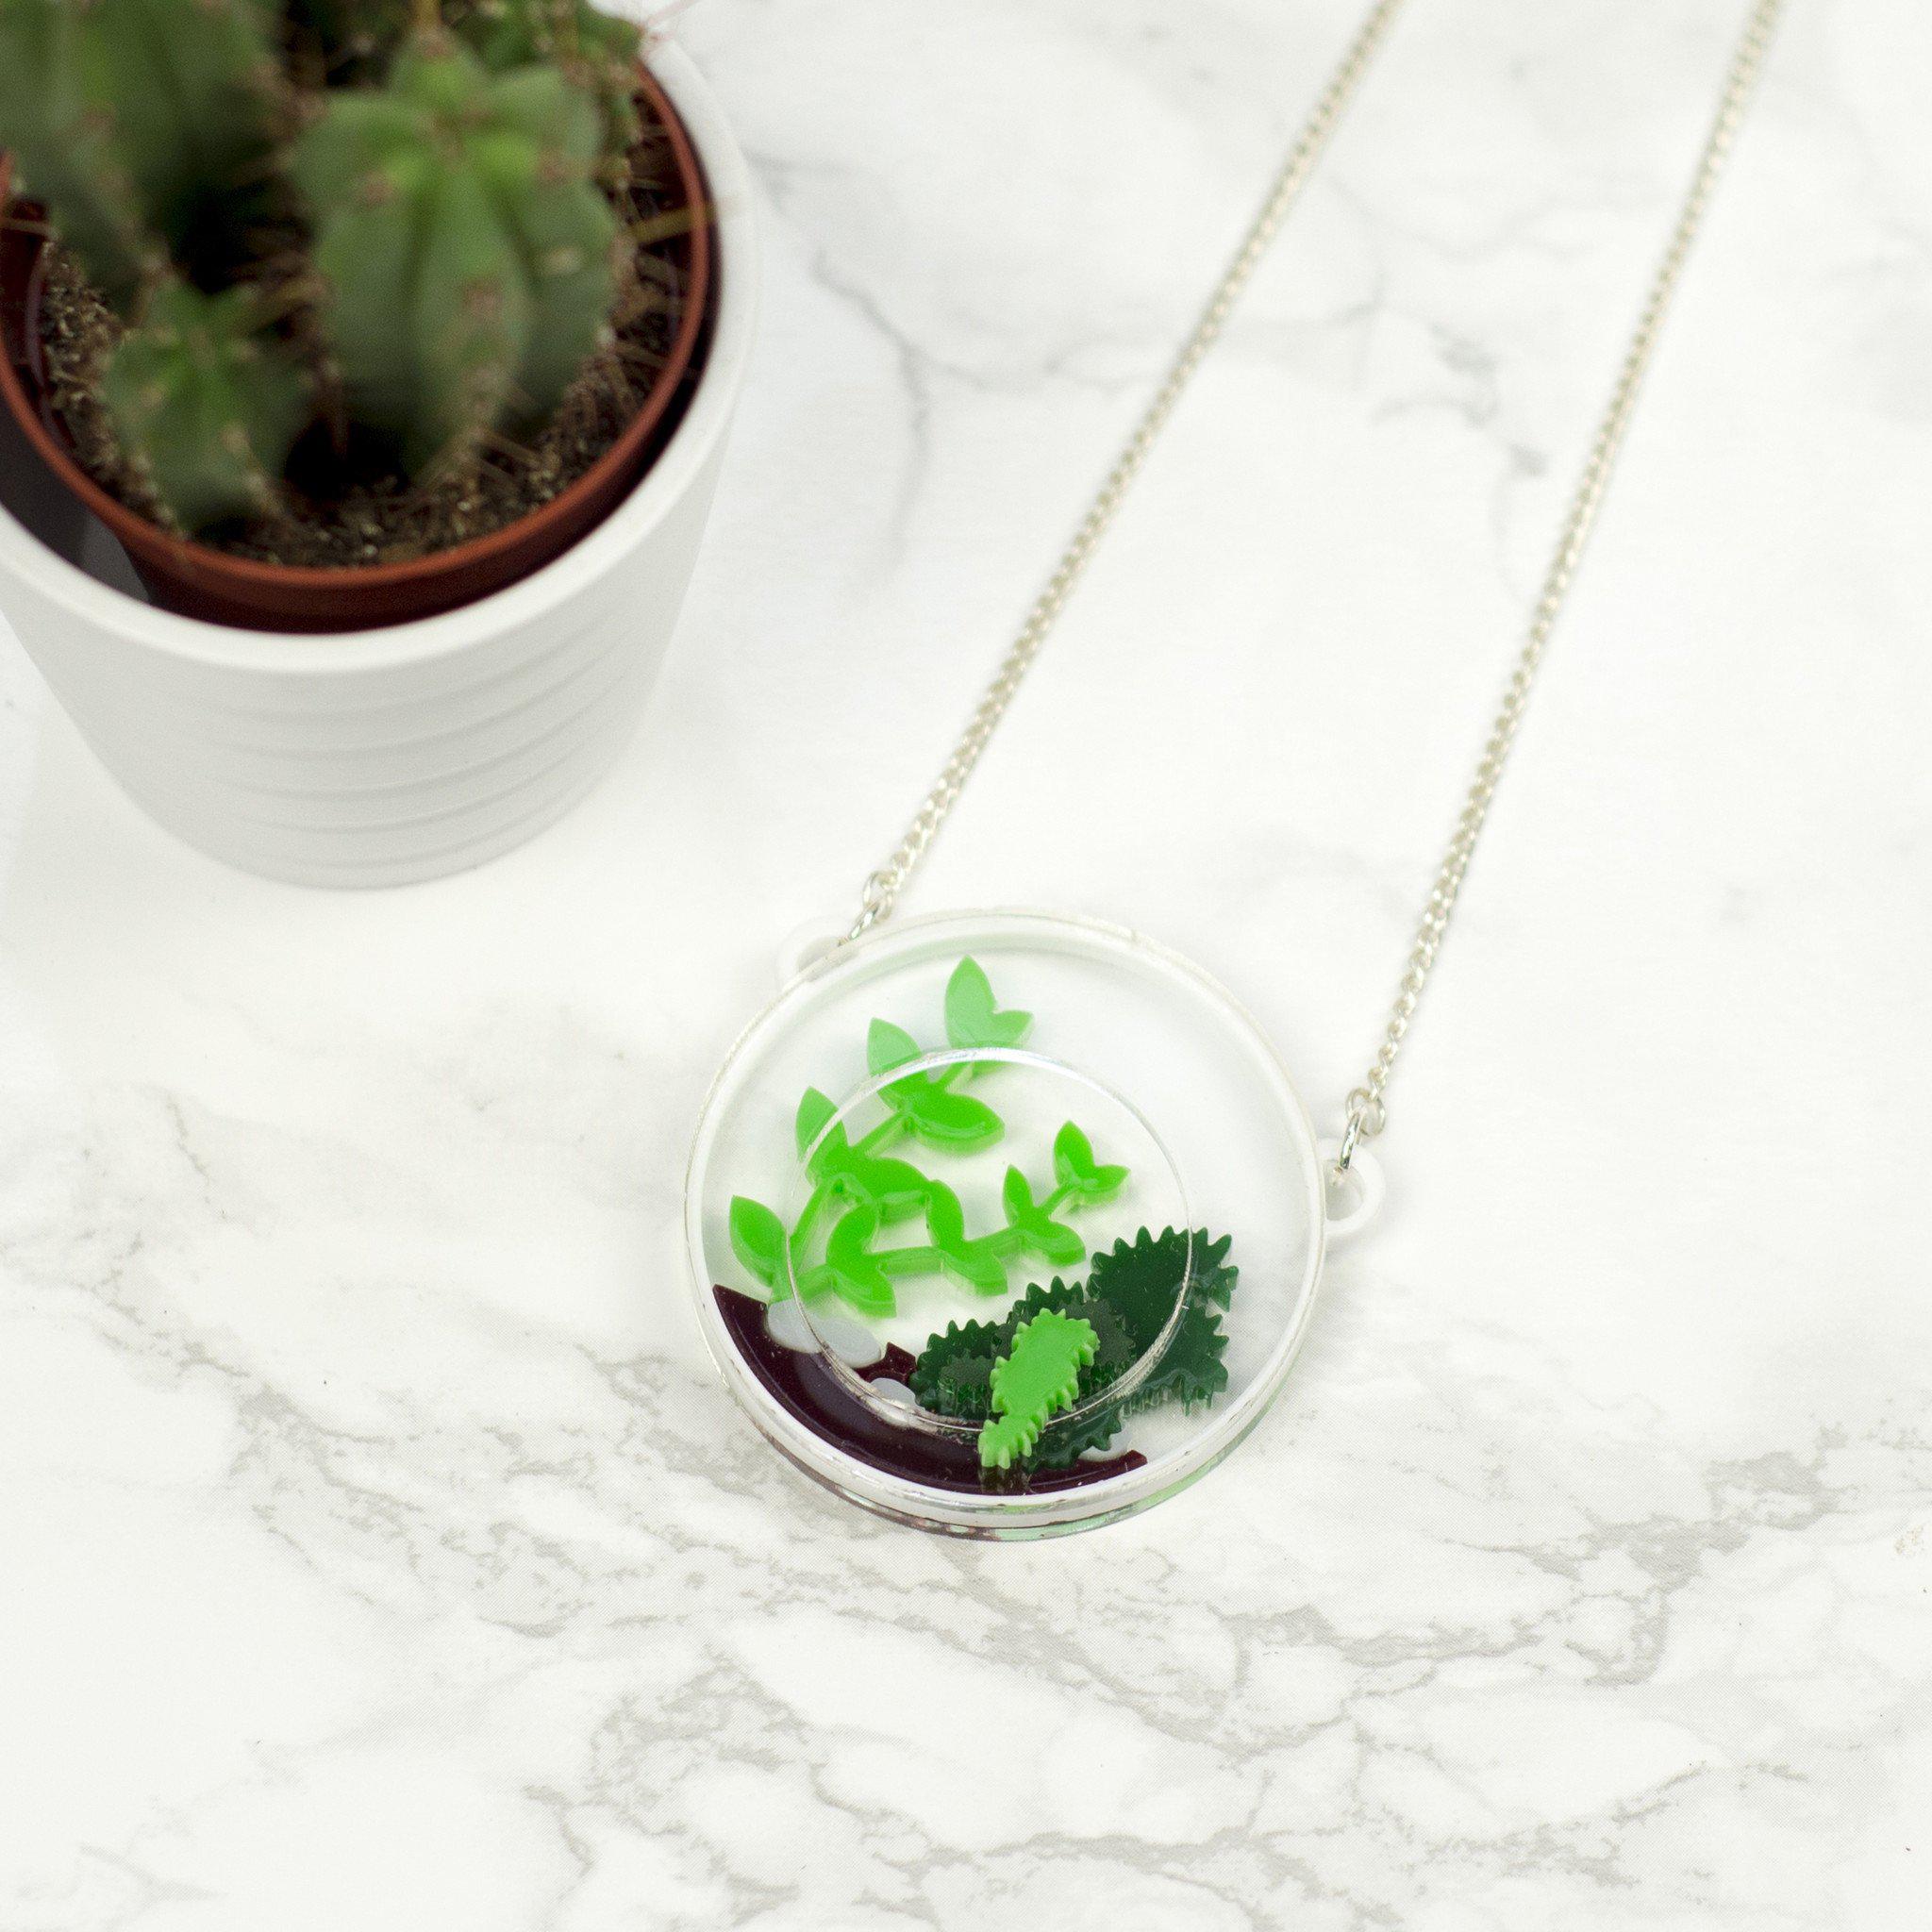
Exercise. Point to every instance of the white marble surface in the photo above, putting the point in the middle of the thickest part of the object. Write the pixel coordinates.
(376, 1549)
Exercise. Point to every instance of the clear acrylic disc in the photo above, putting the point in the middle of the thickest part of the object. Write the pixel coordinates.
(1004, 1224)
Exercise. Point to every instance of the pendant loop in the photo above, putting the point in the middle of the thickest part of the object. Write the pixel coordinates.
(805, 945)
(1355, 1190)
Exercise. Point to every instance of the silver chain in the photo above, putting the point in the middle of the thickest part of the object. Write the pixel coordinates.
(883, 888)
(1368, 1110)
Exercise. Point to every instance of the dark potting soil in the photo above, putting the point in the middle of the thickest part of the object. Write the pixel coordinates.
(339, 514)
(812, 1393)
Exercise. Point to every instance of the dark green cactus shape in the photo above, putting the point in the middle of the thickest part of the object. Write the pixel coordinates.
(1128, 1300)
(1034, 1380)
(466, 248)
(146, 126)
(205, 404)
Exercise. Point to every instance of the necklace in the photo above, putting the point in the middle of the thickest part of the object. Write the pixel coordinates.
(1050, 1270)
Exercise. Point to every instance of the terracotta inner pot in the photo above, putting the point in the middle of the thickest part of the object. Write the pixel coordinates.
(199, 581)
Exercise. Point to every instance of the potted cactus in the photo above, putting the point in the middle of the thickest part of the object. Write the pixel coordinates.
(360, 317)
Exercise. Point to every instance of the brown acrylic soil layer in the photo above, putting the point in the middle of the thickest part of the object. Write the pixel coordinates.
(807, 1391)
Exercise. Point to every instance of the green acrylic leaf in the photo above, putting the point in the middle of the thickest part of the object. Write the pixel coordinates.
(1039, 1376)
(816, 1283)
(758, 1238)
(925, 1107)
(1018, 1197)
(832, 1157)
(887, 1046)
(895, 1188)
(856, 1274)
(976, 1267)
(1052, 1241)
(814, 1111)
(1076, 1170)
(859, 1189)
(974, 1264)
(829, 1155)
(952, 1120)
(945, 1219)
(972, 1019)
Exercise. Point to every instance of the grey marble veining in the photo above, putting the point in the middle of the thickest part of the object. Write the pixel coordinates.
(376, 1548)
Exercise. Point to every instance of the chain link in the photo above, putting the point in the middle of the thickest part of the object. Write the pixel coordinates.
(883, 888)
(1367, 1111)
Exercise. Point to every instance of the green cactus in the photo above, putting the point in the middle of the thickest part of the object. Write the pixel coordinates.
(63, 153)
(145, 126)
(596, 50)
(350, 34)
(465, 246)
(206, 403)
(433, 191)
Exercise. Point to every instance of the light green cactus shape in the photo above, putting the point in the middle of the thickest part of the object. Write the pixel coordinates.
(1035, 1379)
(465, 246)
(206, 403)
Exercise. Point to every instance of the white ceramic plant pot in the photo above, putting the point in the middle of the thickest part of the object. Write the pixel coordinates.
(383, 756)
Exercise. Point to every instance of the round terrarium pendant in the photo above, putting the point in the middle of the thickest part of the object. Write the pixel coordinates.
(1005, 1224)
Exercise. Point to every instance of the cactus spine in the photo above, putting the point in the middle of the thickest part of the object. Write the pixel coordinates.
(205, 404)
(466, 248)
(351, 32)
(143, 125)
(593, 49)
(427, 186)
